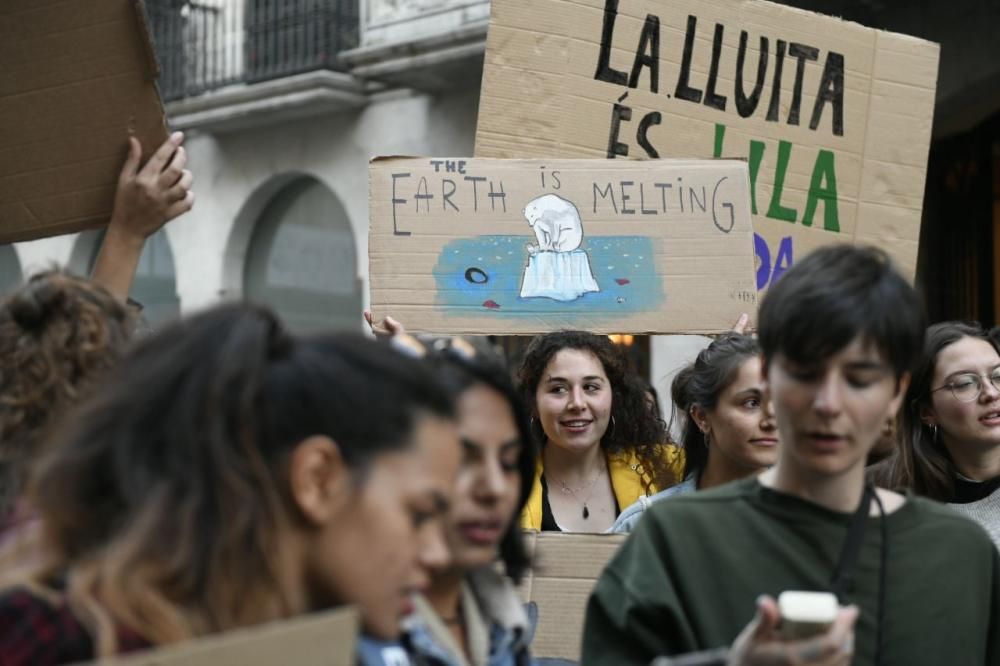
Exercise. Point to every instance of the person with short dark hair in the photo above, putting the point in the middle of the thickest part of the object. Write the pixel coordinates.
(728, 430)
(228, 474)
(950, 445)
(918, 584)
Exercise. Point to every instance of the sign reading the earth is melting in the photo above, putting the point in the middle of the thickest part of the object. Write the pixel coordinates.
(486, 246)
(833, 118)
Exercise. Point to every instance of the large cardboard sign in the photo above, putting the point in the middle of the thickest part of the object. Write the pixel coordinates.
(77, 77)
(833, 118)
(524, 246)
(327, 638)
(565, 568)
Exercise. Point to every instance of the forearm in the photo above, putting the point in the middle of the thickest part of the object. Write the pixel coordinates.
(117, 260)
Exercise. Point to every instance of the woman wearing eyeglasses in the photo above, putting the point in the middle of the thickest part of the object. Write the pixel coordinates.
(951, 425)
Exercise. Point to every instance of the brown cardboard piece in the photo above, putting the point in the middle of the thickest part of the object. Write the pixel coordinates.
(600, 78)
(77, 77)
(326, 638)
(475, 246)
(565, 569)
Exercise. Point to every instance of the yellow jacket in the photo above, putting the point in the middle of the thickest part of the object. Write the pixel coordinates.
(626, 481)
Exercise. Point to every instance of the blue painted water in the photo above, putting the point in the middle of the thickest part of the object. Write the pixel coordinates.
(484, 275)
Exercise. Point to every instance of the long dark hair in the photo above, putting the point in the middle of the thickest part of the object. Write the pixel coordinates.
(922, 462)
(166, 497)
(701, 383)
(461, 371)
(636, 427)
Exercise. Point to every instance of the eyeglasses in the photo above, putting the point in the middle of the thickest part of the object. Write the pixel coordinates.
(969, 386)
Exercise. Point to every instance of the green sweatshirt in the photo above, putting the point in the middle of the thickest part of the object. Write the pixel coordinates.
(689, 575)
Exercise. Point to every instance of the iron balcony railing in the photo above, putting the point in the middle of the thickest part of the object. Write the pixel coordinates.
(207, 44)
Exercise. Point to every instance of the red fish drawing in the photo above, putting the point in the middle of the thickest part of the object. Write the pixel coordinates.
(622, 281)
(491, 304)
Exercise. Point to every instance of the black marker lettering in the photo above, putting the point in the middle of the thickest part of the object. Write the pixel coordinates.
(663, 187)
(803, 53)
(650, 39)
(423, 195)
(745, 106)
(642, 202)
(446, 194)
(475, 191)
(618, 114)
(726, 204)
(395, 200)
(494, 195)
(651, 118)
(625, 197)
(684, 90)
(604, 69)
(711, 98)
(606, 193)
(831, 89)
(779, 61)
(693, 198)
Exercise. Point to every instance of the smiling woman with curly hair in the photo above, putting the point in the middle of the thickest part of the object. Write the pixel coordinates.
(58, 333)
(603, 447)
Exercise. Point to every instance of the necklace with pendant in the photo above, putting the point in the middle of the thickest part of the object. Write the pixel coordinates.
(570, 491)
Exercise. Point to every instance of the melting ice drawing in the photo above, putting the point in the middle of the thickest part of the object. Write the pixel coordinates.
(557, 266)
(566, 278)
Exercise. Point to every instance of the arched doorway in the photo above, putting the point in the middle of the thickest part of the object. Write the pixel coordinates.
(302, 260)
(155, 283)
(10, 269)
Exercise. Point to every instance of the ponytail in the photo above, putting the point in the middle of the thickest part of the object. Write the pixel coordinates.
(700, 384)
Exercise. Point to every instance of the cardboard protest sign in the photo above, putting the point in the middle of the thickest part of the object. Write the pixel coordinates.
(522, 246)
(77, 77)
(322, 638)
(565, 569)
(833, 118)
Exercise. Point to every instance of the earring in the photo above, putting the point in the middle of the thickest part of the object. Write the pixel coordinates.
(612, 426)
(934, 433)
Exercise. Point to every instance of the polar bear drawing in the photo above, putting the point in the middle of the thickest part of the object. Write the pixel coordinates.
(556, 223)
(558, 268)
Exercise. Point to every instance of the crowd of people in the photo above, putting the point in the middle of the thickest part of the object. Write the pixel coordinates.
(221, 472)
